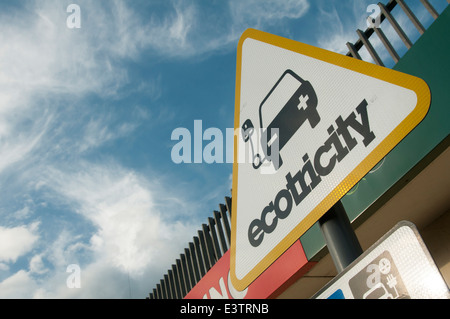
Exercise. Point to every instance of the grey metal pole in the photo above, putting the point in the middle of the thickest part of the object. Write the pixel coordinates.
(340, 238)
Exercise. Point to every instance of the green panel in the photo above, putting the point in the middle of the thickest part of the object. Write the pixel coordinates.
(429, 60)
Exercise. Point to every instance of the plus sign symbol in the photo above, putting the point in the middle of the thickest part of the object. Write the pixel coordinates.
(303, 99)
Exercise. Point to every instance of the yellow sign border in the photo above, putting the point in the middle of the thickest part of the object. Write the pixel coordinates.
(412, 120)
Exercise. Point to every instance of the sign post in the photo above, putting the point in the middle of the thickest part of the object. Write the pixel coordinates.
(340, 237)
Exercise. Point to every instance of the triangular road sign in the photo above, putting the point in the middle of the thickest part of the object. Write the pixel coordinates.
(313, 123)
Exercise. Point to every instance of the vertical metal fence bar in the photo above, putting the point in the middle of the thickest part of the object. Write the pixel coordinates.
(226, 224)
(181, 278)
(369, 47)
(190, 282)
(171, 284)
(205, 253)
(411, 16)
(176, 282)
(430, 9)
(173, 281)
(155, 293)
(199, 259)
(194, 263)
(186, 275)
(396, 26)
(209, 245)
(354, 53)
(215, 239)
(228, 204)
(223, 213)
(387, 44)
(218, 220)
(168, 288)
(159, 292)
(190, 263)
(163, 290)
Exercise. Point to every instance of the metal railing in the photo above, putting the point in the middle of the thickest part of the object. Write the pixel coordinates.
(385, 13)
(213, 239)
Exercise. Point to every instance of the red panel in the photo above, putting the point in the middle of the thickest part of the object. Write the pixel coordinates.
(281, 274)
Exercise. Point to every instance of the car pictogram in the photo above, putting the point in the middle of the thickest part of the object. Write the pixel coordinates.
(290, 102)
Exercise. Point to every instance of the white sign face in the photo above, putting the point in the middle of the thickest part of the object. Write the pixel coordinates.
(313, 123)
(398, 266)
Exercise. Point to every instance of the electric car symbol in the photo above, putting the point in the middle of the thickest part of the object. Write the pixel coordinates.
(283, 111)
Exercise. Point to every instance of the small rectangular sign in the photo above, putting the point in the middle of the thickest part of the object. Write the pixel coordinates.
(398, 266)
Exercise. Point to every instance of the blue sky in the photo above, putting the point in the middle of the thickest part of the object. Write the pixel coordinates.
(86, 117)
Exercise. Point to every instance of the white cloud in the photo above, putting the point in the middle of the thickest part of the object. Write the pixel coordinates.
(37, 265)
(23, 213)
(335, 34)
(188, 30)
(133, 240)
(19, 285)
(45, 66)
(17, 241)
(170, 36)
(260, 12)
(132, 232)
(43, 54)
(4, 267)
